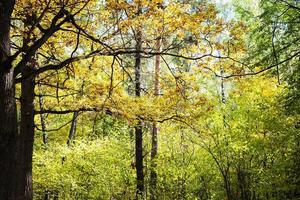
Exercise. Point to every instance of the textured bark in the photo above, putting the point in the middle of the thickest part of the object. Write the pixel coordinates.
(138, 128)
(154, 144)
(8, 135)
(26, 137)
(8, 113)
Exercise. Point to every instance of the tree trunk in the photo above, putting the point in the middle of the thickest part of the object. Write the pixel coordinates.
(139, 159)
(153, 174)
(8, 113)
(26, 137)
(72, 129)
(138, 127)
(8, 135)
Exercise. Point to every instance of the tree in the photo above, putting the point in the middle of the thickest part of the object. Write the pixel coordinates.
(8, 119)
(16, 148)
(154, 137)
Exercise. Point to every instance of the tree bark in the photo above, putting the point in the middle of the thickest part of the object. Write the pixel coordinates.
(8, 112)
(153, 174)
(8, 134)
(139, 159)
(138, 127)
(26, 137)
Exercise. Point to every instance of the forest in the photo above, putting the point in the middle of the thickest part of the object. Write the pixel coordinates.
(149, 99)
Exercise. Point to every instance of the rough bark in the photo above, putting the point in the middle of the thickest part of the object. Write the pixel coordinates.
(8, 135)
(8, 113)
(26, 137)
(154, 144)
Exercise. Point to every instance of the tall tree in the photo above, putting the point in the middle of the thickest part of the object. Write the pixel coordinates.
(8, 117)
(26, 136)
(16, 146)
(138, 128)
(154, 142)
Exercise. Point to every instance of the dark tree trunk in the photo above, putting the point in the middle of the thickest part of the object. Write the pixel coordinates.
(8, 113)
(139, 159)
(73, 128)
(153, 174)
(26, 137)
(138, 128)
(8, 135)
